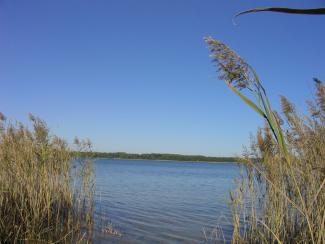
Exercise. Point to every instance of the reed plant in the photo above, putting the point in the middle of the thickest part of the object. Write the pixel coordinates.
(46, 195)
(281, 195)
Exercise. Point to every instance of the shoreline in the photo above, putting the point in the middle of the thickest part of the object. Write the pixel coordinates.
(160, 157)
(173, 160)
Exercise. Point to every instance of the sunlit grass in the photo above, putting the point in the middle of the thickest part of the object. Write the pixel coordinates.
(281, 196)
(45, 195)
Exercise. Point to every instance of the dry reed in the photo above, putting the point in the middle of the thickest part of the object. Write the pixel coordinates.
(281, 195)
(45, 194)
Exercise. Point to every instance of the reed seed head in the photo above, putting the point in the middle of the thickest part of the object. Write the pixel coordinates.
(287, 107)
(2, 117)
(232, 68)
(320, 94)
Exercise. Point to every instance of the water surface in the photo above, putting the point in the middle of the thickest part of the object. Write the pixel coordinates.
(164, 201)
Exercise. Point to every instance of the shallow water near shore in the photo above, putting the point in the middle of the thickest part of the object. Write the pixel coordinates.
(164, 201)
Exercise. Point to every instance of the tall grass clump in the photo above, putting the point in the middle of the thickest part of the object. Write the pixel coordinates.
(281, 195)
(45, 194)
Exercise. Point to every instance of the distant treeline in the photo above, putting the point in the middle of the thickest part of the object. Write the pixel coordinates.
(159, 156)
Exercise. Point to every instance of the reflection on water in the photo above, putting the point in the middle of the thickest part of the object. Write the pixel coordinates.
(164, 201)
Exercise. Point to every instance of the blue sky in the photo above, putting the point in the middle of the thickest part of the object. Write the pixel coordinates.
(135, 76)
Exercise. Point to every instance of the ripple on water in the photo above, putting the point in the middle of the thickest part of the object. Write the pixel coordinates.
(174, 202)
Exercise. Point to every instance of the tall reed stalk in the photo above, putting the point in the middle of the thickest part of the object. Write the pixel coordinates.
(281, 196)
(45, 194)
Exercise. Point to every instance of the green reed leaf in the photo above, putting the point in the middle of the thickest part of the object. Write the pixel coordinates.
(247, 100)
(284, 10)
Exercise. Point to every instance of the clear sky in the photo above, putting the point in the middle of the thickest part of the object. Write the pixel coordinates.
(135, 76)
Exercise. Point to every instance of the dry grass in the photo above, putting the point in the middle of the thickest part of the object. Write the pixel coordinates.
(281, 195)
(45, 195)
(110, 230)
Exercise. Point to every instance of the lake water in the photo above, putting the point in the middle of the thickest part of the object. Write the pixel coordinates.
(164, 201)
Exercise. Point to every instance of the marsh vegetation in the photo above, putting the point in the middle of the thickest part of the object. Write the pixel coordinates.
(45, 194)
(281, 196)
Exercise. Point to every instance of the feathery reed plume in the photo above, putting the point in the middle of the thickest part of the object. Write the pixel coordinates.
(286, 106)
(231, 67)
(281, 196)
(239, 75)
(2, 117)
(320, 95)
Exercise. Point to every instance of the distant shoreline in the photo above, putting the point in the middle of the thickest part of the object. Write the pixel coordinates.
(173, 160)
(159, 157)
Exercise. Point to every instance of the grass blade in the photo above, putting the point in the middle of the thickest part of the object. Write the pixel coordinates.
(247, 100)
(284, 10)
